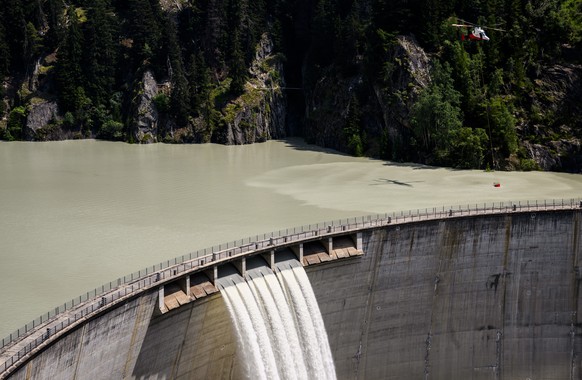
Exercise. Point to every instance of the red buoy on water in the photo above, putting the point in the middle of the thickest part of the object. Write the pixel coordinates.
(496, 184)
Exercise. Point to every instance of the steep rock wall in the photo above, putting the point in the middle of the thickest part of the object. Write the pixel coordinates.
(145, 117)
(258, 115)
(40, 114)
(553, 138)
(383, 112)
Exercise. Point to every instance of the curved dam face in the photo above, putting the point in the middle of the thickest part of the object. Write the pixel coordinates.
(492, 297)
(487, 297)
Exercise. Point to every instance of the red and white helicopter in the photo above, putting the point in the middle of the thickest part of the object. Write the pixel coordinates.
(475, 32)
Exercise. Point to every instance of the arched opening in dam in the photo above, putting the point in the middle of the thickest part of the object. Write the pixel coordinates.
(492, 294)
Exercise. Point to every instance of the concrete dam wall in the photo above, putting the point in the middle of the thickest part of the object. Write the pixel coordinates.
(475, 297)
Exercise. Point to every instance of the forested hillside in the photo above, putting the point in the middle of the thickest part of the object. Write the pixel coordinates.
(389, 79)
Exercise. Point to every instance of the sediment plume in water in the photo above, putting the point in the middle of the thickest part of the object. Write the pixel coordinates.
(279, 328)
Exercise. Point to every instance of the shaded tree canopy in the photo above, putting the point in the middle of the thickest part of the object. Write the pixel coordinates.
(470, 114)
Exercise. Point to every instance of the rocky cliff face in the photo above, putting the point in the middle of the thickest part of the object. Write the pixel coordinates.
(383, 115)
(145, 117)
(255, 116)
(553, 137)
(550, 137)
(327, 105)
(259, 114)
(42, 111)
(409, 74)
(40, 121)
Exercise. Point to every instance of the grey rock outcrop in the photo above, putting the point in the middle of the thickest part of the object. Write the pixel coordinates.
(410, 73)
(556, 155)
(259, 113)
(542, 156)
(554, 141)
(327, 105)
(384, 106)
(40, 113)
(559, 89)
(145, 124)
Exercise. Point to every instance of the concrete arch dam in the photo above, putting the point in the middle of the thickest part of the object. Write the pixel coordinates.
(478, 296)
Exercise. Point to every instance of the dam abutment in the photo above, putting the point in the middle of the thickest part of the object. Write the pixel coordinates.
(474, 296)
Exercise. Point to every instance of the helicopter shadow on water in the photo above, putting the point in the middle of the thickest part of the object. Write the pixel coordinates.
(300, 144)
(412, 166)
(386, 181)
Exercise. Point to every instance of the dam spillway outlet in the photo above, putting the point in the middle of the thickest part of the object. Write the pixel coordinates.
(322, 251)
(202, 284)
(278, 324)
(185, 290)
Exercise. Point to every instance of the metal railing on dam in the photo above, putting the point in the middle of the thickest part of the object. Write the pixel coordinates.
(19, 346)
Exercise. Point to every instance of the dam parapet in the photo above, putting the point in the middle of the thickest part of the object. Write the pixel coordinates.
(194, 275)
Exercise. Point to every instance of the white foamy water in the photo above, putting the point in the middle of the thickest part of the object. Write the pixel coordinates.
(281, 324)
(252, 334)
(312, 330)
(279, 327)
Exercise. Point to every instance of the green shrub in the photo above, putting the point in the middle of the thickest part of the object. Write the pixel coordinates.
(68, 120)
(355, 145)
(162, 102)
(528, 164)
(502, 126)
(111, 130)
(16, 121)
(2, 105)
(467, 147)
(48, 132)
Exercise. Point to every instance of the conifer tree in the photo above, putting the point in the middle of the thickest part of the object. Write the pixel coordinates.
(100, 52)
(144, 29)
(69, 74)
(353, 128)
(180, 96)
(4, 48)
(465, 74)
(324, 32)
(4, 63)
(570, 13)
(236, 54)
(437, 114)
(15, 27)
(351, 35)
(55, 21)
(238, 70)
(199, 81)
(32, 43)
(257, 15)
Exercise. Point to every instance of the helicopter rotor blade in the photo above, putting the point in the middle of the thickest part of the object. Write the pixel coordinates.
(491, 28)
(466, 22)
